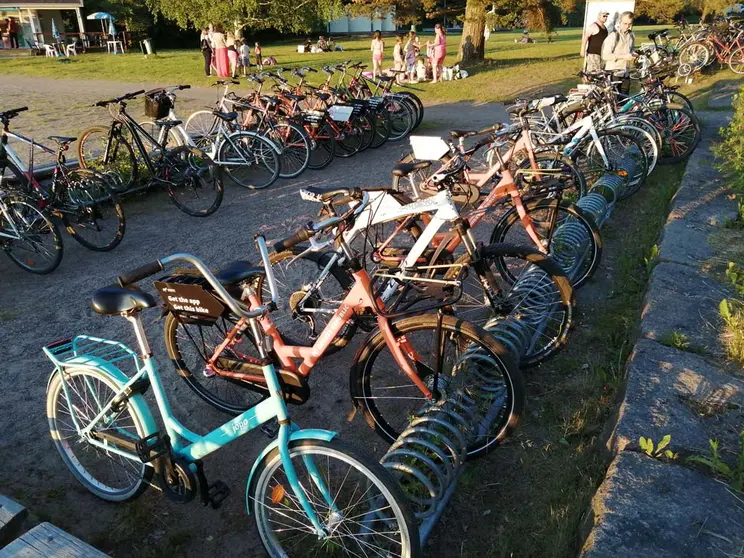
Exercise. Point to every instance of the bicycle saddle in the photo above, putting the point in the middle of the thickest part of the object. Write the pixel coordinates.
(462, 133)
(166, 122)
(226, 116)
(385, 78)
(404, 169)
(115, 300)
(62, 140)
(294, 97)
(239, 271)
(323, 96)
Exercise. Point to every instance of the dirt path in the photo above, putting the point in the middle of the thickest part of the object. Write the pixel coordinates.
(37, 310)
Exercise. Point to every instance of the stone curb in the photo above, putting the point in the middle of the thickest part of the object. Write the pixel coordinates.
(652, 507)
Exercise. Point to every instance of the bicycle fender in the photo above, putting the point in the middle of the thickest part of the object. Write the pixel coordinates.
(305, 434)
(137, 401)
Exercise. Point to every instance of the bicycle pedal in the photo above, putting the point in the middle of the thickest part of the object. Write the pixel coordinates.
(270, 429)
(217, 494)
(153, 446)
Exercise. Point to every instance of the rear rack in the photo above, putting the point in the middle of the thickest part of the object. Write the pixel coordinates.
(62, 352)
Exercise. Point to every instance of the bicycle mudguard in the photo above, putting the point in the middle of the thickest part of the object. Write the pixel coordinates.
(305, 434)
(137, 401)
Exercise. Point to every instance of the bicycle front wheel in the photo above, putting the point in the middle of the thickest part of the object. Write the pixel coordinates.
(295, 146)
(736, 61)
(106, 474)
(92, 213)
(250, 160)
(357, 501)
(194, 181)
(36, 245)
(114, 159)
(323, 146)
(202, 127)
(466, 365)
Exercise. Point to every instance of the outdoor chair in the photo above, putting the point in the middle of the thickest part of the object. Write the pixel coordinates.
(71, 49)
(51, 50)
(35, 48)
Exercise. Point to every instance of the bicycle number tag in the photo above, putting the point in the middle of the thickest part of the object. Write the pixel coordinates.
(189, 301)
(428, 148)
(340, 113)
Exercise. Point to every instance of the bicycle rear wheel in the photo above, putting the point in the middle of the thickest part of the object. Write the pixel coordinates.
(250, 160)
(106, 474)
(295, 147)
(323, 146)
(201, 127)
(115, 160)
(471, 365)
(680, 133)
(93, 215)
(417, 104)
(736, 61)
(383, 126)
(358, 502)
(402, 118)
(349, 139)
(194, 181)
(38, 247)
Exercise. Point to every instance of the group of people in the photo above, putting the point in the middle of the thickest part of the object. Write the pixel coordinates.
(225, 54)
(614, 51)
(407, 56)
(323, 45)
(9, 33)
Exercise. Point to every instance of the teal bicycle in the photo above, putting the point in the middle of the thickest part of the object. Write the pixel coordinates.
(310, 493)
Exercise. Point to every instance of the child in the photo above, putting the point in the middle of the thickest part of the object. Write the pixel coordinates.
(257, 54)
(398, 61)
(245, 56)
(377, 47)
(420, 69)
(412, 51)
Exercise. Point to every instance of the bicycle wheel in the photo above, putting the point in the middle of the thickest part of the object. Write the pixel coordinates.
(736, 61)
(696, 54)
(349, 139)
(366, 124)
(621, 151)
(191, 345)
(673, 97)
(646, 138)
(383, 127)
(304, 309)
(680, 133)
(92, 213)
(38, 247)
(116, 161)
(295, 148)
(540, 294)
(357, 501)
(250, 160)
(470, 362)
(417, 104)
(401, 118)
(323, 147)
(106, 474)
(201, 127)
(550, 165)
(194, 181)
(571, 238)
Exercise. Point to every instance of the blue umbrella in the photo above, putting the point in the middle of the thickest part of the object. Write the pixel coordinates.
(100, 15)
(55, 33)
(112, 28)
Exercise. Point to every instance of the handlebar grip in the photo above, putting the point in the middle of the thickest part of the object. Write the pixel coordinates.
(140, 273)
(184, 87)
(17, 109)
(301, 235)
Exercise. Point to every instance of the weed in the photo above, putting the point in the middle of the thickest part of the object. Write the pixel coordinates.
(651, 258)
(736, 276)
(734, 475)
(732, 336)
(675, 339)
(647, 445)
(738, 223)
(731, 149)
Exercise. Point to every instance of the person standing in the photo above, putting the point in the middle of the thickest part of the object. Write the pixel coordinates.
(257, 52)
(591, 43)
(232, 54)
(206, 49)
(377, 47)
(618, 50)
(13, 32)
(219, 52)
(399, 63)
(439, 52)
(412, 49)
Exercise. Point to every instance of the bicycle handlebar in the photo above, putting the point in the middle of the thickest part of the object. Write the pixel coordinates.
(119, 99)
(12, 113)
(301, 235)
(140, 273)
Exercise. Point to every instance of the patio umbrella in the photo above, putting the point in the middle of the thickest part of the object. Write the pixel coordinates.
(103, 16)
(55, 33)
(112, 28)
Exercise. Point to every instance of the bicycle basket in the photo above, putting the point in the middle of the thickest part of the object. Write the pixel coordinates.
(186, 296)
(313, 117)
(157, 105)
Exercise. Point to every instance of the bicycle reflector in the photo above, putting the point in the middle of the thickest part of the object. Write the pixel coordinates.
(277, 494)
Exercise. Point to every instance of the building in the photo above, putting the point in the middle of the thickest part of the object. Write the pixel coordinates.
(35, 18)
(349, 24)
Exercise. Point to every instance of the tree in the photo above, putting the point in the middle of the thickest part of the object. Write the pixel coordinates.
(661, 11)
(282, 15)
(472, 43)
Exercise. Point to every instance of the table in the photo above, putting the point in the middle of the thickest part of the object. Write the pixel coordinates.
(114, 45)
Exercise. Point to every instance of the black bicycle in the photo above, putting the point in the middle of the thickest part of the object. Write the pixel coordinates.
(193, 181)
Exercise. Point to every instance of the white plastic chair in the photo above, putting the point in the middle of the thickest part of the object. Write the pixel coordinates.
(51, 50)
(71, 49)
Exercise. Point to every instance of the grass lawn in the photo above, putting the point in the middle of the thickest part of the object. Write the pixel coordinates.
(510, 69)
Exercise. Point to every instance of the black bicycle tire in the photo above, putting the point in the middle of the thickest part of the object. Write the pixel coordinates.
(54, 231)
(213, 169)
(116, 185)
(269, 148)
(330, 150)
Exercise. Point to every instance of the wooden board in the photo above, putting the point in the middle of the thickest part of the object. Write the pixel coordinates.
(12, 516)
(46, 540)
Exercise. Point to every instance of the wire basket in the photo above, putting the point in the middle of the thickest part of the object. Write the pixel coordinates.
(157, 105)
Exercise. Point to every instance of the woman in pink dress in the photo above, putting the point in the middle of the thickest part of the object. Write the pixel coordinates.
(440, 51)
(221, 60)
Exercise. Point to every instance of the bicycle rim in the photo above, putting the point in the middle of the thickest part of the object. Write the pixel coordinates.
(295, 148)
(323, 147)
(118, 165)
(250, 160)
(194, 182)
(39, 246)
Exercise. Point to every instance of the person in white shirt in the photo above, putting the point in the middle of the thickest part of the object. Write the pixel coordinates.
(618, 50)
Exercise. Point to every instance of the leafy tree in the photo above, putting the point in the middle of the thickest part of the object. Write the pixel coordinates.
(132, 13)
(661, 11)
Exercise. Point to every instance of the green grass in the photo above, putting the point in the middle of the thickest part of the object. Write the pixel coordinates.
(510, 69)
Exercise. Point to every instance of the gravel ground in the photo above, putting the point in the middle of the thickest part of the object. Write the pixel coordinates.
(37, 310)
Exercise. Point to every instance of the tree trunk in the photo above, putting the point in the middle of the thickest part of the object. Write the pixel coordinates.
(472, 44)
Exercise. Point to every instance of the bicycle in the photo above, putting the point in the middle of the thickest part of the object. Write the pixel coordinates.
(192, 180)
(391, 377)
(81, 198)
(338, 499)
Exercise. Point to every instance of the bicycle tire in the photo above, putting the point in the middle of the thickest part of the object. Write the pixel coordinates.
(349, 139)
(33, 225)
(224, 394)
(680, 130)
(295, 148)
(201, 126)
(191, 172)
(588, 232)
(323, 145)
(401, 118)
(554, 165)
(355, 472)
(137, 474)
(391, 421)
(120, 167)
(674, 97)
(383, 127)
(736, 61)
(94, 199)
(367, 126)
(419, 106)
(646, 138)
(251, 161)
